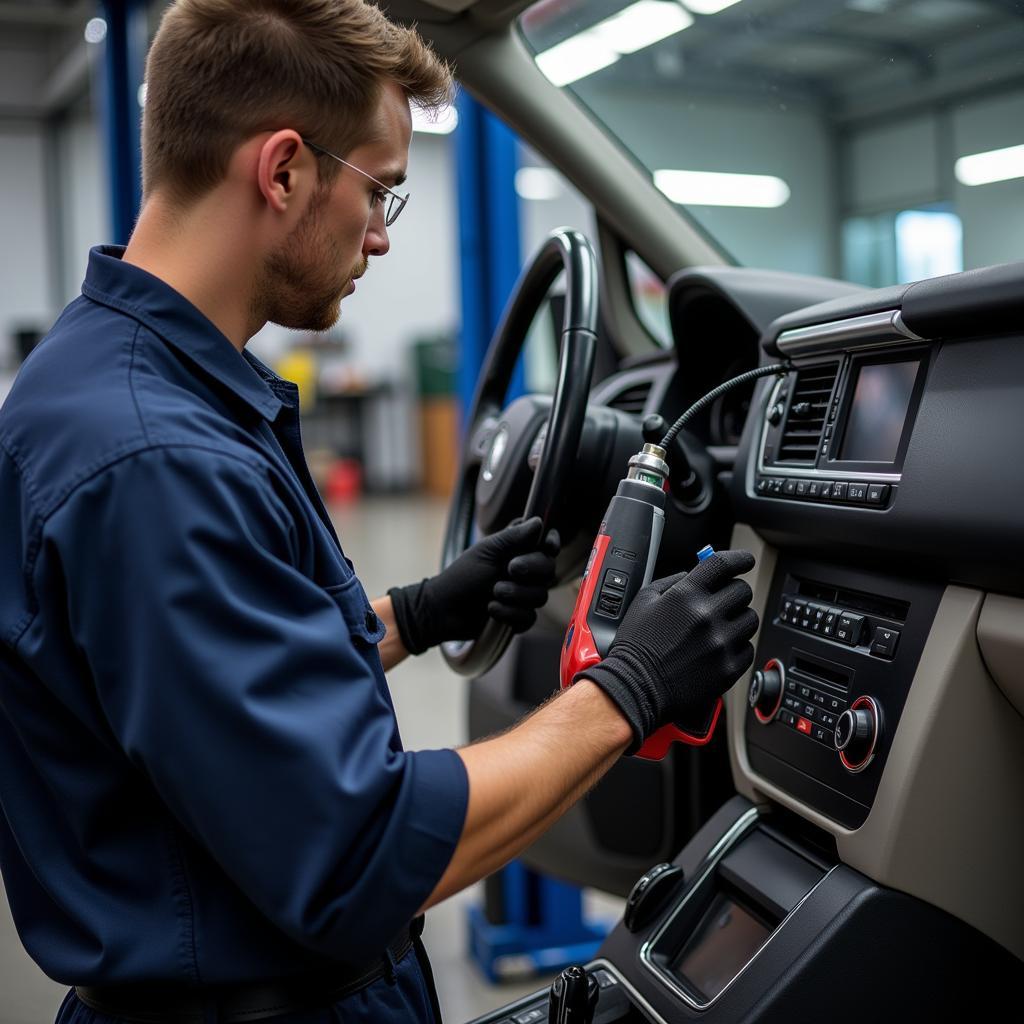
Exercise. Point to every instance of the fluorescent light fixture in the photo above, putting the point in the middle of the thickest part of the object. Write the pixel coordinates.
(639, 25)
(538, 183)
(642, 24)
(441, 123)
(709, 6)
(994, 165)
(95, 30)
(575, 58)
(712, 188)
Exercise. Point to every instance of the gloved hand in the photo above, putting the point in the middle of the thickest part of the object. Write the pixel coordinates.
(683, 642)
(506, 576)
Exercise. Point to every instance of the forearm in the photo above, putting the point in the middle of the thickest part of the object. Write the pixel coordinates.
(522, 781)
(391, 649)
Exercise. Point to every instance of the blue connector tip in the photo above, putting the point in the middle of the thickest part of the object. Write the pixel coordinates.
(705, 552)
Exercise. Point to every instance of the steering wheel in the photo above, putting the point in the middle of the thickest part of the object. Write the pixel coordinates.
(503, 444)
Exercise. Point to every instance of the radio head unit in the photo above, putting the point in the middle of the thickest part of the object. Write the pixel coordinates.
(837, 427)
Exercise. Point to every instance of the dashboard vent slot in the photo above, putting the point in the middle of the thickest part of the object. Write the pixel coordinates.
(633, 399)
(807, 411)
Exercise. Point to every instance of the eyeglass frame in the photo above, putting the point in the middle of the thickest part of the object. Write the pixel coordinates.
(390, 216)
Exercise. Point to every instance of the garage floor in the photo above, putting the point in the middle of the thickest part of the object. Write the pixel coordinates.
(392, 540)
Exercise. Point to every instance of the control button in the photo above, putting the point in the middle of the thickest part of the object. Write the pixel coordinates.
(834, 704)
(830, 621)
(828, 431)
(789, 487)
(827, 720)
(849, 628)
(777, 483)
(761, 486)
(877, 493)
(769, 453)
(857, 492)
(824, 449)
(616, 579)
(805, 692)
(787, 717)
(775, 414)
(817, 618)
(804, 726)
(824, 736)
(538, 1013)
(790, 686)
(801, 488)
(809, 712)
(884, 641)
(792, 703)
(825, 491)
(812, 488)
(785, 613)
(818, 698)
(610, 604)
(839, 490)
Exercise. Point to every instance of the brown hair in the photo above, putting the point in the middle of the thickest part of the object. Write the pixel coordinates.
(219, 71)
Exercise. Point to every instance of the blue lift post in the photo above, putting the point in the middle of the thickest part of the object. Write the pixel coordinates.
(542, 928)
(124, 55)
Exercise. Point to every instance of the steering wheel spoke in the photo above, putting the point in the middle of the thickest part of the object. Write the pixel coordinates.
(479, 444)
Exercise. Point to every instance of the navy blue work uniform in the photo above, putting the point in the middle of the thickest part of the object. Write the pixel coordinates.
(201, 776)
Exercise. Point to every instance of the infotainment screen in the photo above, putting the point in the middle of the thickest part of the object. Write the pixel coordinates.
(878, 412)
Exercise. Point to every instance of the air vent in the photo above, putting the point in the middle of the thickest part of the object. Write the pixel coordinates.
(633, 399)
(807, 411)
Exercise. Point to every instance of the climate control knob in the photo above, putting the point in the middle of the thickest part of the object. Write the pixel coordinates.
(857, 731)
(765, 694)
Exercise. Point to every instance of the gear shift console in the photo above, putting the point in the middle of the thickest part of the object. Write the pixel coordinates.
(573, 997)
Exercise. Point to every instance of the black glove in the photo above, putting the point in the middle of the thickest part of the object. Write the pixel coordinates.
(683, 642)
(506, 576)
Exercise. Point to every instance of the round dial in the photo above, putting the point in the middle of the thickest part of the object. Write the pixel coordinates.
(765, 694)
(857, 731)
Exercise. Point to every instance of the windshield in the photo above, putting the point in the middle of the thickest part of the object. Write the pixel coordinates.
(881, 141)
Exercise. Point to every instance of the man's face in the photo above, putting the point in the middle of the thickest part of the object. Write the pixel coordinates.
(304, 280)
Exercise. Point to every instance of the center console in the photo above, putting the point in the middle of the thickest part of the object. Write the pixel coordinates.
(768, 926)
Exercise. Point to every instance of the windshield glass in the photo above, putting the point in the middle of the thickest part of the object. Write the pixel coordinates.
(877, 140)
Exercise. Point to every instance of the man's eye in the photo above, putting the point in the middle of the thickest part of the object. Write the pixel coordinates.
(378, 197)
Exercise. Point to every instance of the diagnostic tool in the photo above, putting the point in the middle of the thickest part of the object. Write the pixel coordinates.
(622, 561)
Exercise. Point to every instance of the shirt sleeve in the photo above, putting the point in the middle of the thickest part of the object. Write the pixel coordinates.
(236, 685)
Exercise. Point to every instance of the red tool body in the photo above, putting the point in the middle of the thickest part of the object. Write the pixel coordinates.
(621, 562)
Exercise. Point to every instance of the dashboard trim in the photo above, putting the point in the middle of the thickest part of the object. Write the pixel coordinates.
(871, 330)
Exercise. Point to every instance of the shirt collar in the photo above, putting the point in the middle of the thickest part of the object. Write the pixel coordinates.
(144, 297)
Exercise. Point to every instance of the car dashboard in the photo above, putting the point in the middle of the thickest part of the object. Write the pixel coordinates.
(869, 863)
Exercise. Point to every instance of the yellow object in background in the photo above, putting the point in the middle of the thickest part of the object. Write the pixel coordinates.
(301, 367)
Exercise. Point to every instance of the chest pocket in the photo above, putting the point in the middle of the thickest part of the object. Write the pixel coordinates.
(366, 628)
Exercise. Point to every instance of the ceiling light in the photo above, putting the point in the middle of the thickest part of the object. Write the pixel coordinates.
(994, 165)
(711, 188)
(642, 24)
(95, 30)
(709, 6)
(575, 58)
(442, 122)
(538, 183)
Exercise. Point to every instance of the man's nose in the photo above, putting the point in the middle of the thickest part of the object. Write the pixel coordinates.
(376, 241)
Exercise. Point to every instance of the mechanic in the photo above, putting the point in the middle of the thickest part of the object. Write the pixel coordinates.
(207, 810)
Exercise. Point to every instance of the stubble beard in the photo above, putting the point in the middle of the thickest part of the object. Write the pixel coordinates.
(299, 286)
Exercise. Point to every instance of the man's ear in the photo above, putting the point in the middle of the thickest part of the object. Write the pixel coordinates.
(285, 170)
